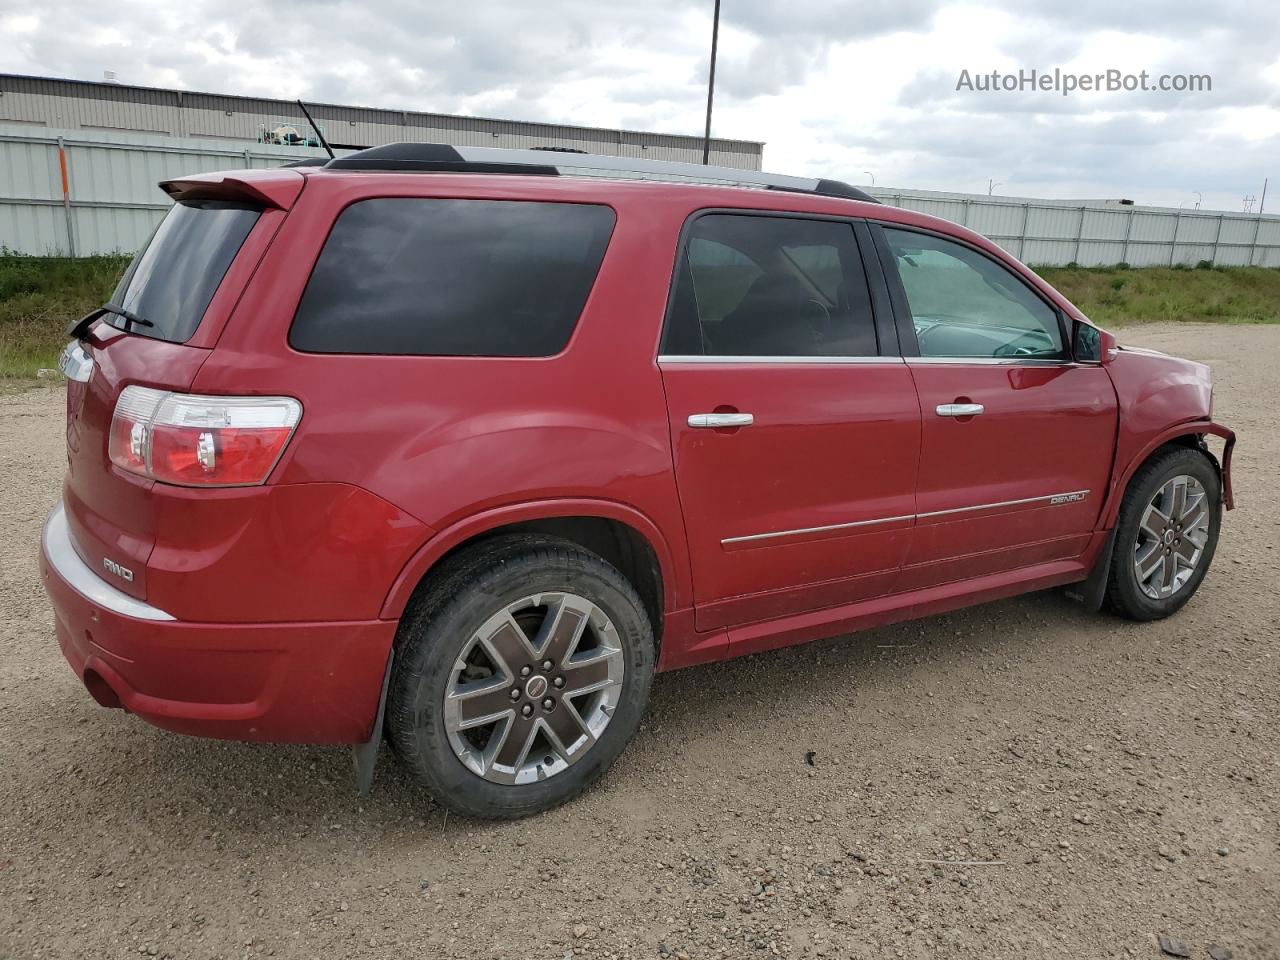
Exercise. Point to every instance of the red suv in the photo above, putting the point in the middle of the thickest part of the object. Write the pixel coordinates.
(458, 447)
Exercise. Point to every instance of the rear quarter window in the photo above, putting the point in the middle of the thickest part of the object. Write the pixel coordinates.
(442, 277)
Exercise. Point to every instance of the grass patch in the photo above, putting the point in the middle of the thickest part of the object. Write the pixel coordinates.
(39, 297)
(1115, 296)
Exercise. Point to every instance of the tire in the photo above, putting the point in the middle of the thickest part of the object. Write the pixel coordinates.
(452, 675)
(1187, 547)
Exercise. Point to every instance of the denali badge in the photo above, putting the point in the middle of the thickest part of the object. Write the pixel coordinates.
(124, 573)
(1068, 497)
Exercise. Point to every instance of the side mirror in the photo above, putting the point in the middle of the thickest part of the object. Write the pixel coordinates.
(1091, 345)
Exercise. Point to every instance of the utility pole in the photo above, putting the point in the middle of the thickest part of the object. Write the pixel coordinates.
(1263, 202)
(711, 83)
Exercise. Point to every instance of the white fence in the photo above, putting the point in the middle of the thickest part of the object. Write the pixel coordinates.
(79, 193)
(1101, 233)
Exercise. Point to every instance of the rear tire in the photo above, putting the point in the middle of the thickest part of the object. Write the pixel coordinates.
(501, 724)
(1166, 535)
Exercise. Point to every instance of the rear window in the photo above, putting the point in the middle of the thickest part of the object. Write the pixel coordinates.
(172, 279)
(437, 277)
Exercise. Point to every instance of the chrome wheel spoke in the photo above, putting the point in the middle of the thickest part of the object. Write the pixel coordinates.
(517, 737)
(1176, 503)
(1148, 561)
(589, 674)
(561, 631)
(510, 647)
(1154, 522)
(566, 727)
(481, 704)
(1186, 550)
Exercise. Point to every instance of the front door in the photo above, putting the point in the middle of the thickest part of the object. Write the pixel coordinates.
(1018, 440)
(795, 440)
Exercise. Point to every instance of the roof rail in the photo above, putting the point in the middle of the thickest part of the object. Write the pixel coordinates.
(442, 158)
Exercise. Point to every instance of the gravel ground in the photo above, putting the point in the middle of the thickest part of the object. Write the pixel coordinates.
(1123, 777)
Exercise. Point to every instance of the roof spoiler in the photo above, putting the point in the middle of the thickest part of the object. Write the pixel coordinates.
(273, 189)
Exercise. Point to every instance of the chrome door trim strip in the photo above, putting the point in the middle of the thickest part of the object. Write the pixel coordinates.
(698, 358)
(1053, 499)
(823, 529)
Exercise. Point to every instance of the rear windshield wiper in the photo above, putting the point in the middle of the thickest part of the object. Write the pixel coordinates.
(79, 328)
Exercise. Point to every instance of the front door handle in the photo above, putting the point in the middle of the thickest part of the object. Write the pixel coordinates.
(715, 421)
(959, 409)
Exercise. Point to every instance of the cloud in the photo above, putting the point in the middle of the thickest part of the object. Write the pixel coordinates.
(834, 87)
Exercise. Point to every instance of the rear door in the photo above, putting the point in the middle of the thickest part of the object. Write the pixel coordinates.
(1017, 439)
(796, 432)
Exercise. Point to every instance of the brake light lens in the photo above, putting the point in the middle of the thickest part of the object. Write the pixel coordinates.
(198, 441)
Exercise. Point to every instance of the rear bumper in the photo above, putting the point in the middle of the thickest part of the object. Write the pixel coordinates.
(288, 682)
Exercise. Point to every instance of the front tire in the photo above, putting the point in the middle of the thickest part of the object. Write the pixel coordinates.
(1166, 535)
(523, 671)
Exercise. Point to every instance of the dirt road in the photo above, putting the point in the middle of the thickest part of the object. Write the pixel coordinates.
(1124, 778)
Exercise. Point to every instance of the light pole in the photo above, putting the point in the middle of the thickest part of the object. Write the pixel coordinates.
(711, 84)
(871, 175)
(1199, 198)
(991, 185)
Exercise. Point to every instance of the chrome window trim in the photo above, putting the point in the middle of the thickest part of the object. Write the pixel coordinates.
(698, 358)
(62, 556)
(996, 361)
(1054, 499)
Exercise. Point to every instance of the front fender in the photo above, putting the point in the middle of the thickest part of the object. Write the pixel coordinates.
(1197, 428)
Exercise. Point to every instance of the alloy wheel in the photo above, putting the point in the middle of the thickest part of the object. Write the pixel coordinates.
(534, 688)
(1171, 537)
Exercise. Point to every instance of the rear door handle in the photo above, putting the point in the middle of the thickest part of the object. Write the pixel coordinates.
(959, 409)
(715, 421)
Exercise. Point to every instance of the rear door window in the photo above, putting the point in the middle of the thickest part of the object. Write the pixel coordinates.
(764, 286)
(443, 277)
(172, 279)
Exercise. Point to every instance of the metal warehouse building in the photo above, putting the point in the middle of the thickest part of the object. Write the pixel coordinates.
(37, 102)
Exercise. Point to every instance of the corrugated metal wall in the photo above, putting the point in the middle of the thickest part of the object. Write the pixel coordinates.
(1102, 233)
(78, 105)
(113, 204)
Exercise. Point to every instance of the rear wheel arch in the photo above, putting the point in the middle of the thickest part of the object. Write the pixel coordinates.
(616, 533)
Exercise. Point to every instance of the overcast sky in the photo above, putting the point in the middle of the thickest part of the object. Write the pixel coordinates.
(833, 88)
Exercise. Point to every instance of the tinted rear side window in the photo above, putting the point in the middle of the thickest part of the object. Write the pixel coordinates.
(172, 279)
(434, 277)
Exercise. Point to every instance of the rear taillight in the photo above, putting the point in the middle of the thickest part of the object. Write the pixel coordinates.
(200, 441)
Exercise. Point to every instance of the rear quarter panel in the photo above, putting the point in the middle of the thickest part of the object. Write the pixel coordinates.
(446, 438)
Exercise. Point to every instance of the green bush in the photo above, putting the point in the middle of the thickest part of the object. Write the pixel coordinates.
(39, 297)
(1115, 296)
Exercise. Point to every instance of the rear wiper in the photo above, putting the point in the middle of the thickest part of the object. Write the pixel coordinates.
(80, 327)
(129, 316)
